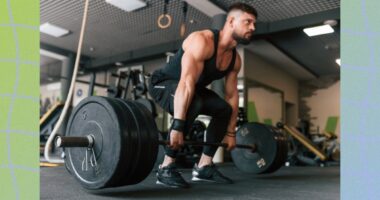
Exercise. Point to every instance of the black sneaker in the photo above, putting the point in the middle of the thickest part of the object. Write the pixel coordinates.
(209, 173)
(169, 176)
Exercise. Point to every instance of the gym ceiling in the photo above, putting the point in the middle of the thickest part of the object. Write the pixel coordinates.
(113, 35)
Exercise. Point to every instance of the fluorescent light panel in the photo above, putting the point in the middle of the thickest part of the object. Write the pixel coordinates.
(338, 61)
(127, 5)
(53, 30)
(318, 30)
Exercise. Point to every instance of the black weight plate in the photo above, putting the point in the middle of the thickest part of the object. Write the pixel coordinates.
(96, 116)
(149, 104)
(146, 151)
(138, 152)
(267, 147)
(131, 140)
(276, 164)
(149, 141)
(281, 150)
(152, 130)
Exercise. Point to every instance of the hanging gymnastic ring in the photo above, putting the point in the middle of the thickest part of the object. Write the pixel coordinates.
(168, 17)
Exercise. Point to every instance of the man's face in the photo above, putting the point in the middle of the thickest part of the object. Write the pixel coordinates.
(244, 26)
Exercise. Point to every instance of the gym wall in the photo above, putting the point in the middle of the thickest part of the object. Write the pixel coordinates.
(268, 104)
(322, 104)
(260, 70)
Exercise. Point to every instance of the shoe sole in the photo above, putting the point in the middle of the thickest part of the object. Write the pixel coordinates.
(196, 179)
(166, 185)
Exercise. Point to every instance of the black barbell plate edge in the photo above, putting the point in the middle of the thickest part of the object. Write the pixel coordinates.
(271, 158)
(149, 141)
(153, 131)
(130, 134)
(274, 166)
(138, 172)
(282, 151)
(132, 175)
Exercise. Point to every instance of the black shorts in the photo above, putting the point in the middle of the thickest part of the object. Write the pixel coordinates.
(163, 94)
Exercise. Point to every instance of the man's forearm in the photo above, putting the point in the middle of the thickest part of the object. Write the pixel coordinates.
(233, 101)
(182, 99)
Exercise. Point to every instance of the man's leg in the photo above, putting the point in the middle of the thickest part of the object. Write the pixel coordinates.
(220, 111)
(163, 93)
(193, 111)
(167, 173)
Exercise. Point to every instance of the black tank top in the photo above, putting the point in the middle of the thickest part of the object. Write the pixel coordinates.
(172, 70)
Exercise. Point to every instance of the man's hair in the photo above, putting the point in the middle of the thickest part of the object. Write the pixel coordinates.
(243, 7)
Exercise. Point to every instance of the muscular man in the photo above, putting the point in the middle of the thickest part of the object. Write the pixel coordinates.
(180, 89)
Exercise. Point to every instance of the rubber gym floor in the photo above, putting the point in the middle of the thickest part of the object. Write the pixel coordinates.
(312, 183)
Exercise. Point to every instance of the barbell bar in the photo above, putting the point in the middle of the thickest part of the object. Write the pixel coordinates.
(89, 141)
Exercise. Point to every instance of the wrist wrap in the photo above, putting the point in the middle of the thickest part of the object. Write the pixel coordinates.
(178, 125)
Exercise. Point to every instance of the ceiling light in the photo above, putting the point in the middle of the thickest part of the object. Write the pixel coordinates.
(119, 64)
(53, 30)
(338, 61)
(127, 5)
(318, 30)
(331, 22)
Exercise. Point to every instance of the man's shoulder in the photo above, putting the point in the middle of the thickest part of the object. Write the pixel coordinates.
(205, 35)
(202, 40)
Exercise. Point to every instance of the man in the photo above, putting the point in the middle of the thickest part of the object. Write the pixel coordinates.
(180, 89)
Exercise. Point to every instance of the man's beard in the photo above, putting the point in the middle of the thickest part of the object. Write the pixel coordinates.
(241, 40)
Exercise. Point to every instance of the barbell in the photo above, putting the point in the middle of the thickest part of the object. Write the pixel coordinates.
(112, 142)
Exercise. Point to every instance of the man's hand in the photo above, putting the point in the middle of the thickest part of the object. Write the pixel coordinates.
(176, 139)
(230, 141)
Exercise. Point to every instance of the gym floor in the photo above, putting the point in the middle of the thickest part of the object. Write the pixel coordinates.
(312, 183)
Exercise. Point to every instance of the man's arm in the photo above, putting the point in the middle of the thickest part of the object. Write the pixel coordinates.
(231, 93)
(196, 51)
(195, 47)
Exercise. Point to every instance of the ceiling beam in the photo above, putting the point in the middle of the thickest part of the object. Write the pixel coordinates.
(59, 53)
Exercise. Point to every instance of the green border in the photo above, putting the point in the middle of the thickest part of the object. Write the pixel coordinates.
(19, 98)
